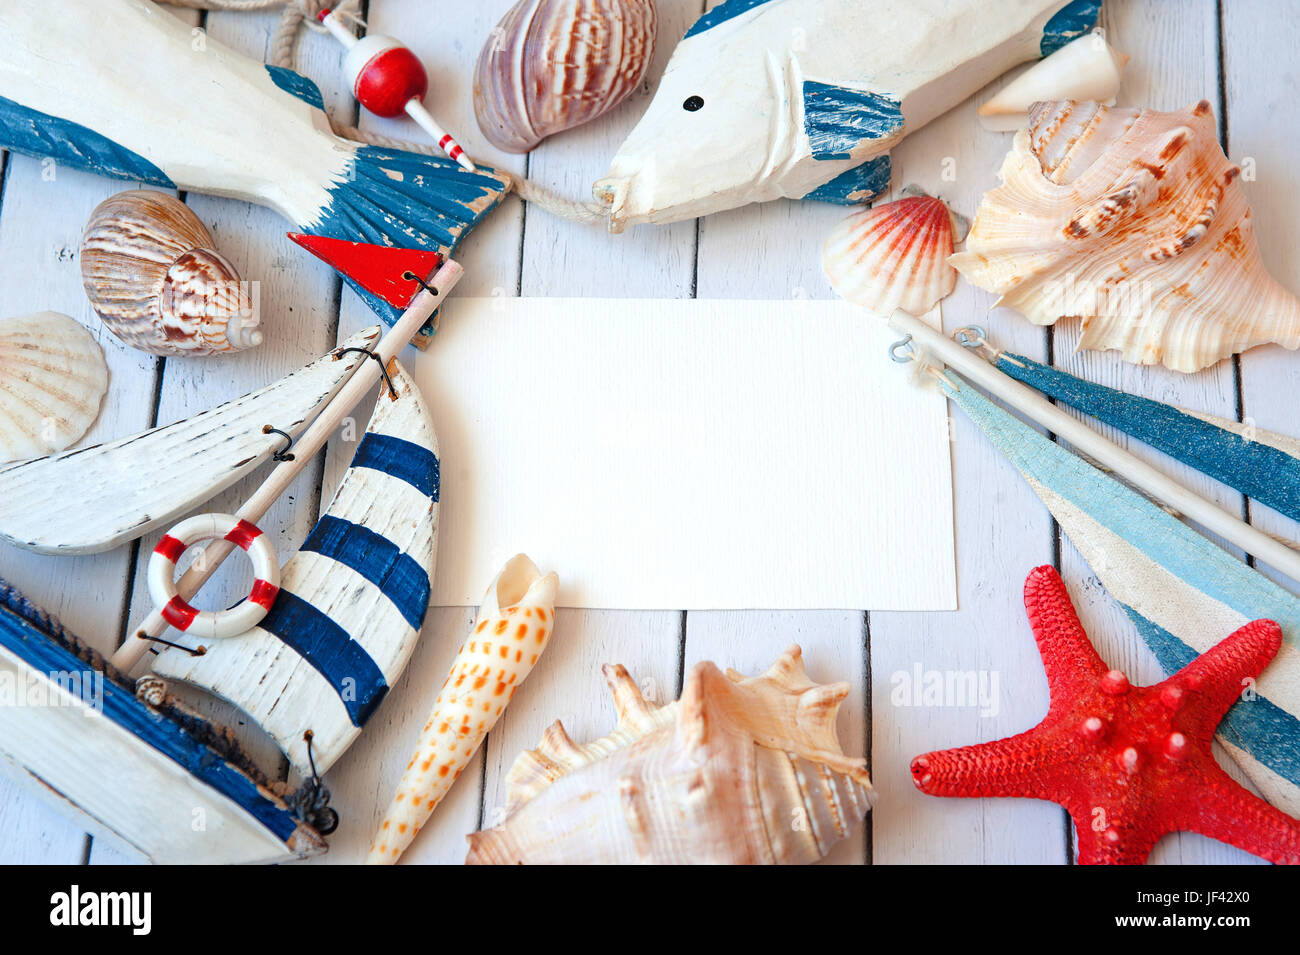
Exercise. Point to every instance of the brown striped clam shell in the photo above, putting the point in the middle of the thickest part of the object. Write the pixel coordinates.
(550, 65)
(150, 271)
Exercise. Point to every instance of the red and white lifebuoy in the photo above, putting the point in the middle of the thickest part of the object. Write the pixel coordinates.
(210, 624)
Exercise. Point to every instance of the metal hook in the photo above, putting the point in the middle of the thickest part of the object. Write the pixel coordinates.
(412, 277)
(283, 454)
(970, 336)
(392, 391)
(896, 350)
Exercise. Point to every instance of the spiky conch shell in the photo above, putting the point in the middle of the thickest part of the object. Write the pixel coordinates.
(1136, 222)
(152, 276)
(893, 256)
(550, 65)
(52, 381)
(739, 770)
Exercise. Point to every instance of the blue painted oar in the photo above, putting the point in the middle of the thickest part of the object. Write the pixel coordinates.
(1259, 464)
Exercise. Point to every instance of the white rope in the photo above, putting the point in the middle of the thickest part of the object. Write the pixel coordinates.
(303, 13)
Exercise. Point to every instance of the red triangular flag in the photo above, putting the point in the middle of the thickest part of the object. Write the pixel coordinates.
(376, 268)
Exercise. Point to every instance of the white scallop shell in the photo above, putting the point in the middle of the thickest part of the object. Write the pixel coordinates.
(893, 256)
(1135, 222)
(52, 380)
(1088, 68)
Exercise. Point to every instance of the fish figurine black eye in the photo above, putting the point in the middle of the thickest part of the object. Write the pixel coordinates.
(693, 103)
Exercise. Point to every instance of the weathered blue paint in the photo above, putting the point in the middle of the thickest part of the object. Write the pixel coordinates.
(404, 460)
(1262, 472)
(1249, 721)
(1165, 540)
(1069, 23)
(26, 636)
(331, 651)
(38, 134)
(406, 200)
(722, 13)
(297, 85)
(838, 119)
(398, 576)
(857, 185)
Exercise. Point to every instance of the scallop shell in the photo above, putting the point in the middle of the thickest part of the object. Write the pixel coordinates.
(1135, 221)
(893, 256)
(52, 381)
(152, 276)
(739, 770)
(550, 65)
(1087, 68)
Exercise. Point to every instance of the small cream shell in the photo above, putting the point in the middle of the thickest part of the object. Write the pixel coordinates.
(152, 276)
(52, 381)
(893, 256)
(1087, 68)
(550, 65)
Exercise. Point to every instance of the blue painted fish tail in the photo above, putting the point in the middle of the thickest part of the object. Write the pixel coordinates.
(407, 200)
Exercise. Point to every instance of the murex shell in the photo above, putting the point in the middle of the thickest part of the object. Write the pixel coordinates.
(550, 65)
(52, 381)
(152, 276)
(1136, 222)
(893, 256)
(739, 770)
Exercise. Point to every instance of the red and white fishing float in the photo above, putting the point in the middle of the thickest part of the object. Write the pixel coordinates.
(214, 625)
(388, 79)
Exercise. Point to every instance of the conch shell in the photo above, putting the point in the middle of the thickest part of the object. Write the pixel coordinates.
(550, 65)
(152, 276)
(739, 770)
(509, 636)
(1135, 221)
(52, 381)
(893, 256)
(1087, 68)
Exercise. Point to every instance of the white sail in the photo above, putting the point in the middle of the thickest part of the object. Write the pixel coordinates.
(124, 489)
(351, 601)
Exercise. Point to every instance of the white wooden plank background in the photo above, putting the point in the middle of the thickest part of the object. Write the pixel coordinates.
(1236, 55)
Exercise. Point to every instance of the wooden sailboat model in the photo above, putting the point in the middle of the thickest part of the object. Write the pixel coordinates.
(338, 624)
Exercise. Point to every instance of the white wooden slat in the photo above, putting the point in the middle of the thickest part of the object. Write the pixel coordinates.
(363, 781)
(1174, 64)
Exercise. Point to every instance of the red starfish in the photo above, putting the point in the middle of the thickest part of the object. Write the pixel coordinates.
(1129, 764)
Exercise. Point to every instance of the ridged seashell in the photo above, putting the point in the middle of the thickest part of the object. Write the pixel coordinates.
(52, 380)
(550, 65)
(1088, 68)
(152, 276)
(893, 256)
(1135, 221)
(739, 770)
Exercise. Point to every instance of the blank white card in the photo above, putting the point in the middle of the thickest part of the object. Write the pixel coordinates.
(688, 454)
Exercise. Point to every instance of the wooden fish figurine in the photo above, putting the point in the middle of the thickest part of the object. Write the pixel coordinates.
(125, 89)
(765, 99)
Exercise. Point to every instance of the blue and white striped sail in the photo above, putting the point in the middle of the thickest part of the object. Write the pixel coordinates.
(1184, 593)
(1260, 464)
(351, 602)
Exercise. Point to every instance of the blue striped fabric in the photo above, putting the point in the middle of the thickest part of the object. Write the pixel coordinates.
(331, 651)
(399, 577)
(404, 460)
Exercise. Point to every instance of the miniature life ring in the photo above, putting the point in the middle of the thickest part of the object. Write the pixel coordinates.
(161, 576)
